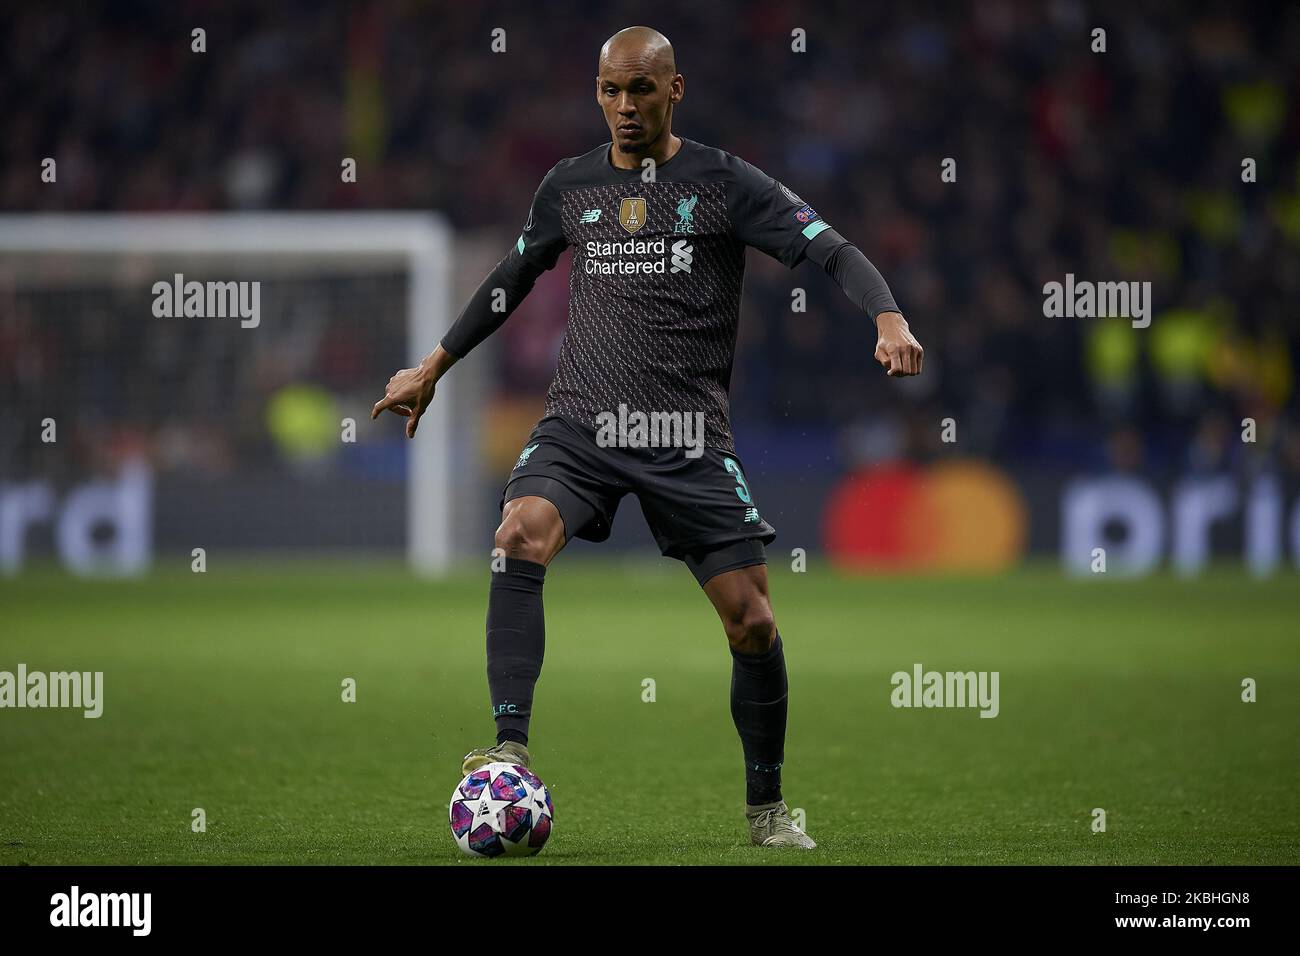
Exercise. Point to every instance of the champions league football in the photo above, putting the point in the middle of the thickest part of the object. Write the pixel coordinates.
(501, 810)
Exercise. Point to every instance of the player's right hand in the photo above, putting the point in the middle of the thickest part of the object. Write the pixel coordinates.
(409, 394)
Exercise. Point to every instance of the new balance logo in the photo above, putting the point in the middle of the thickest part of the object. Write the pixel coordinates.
(523, 456)
(590, 215)
(683, 256)
(751, 514)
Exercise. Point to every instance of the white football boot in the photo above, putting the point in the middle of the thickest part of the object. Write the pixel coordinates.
(770, 825)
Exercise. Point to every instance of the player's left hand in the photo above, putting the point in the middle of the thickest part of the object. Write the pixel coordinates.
(897, 350)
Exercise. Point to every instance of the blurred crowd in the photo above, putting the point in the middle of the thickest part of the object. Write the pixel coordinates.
(1122, 165)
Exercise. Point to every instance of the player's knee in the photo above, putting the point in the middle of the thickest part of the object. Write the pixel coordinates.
(518, 537)
(751, 627)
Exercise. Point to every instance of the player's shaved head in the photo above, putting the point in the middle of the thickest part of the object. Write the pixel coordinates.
(637, 86)
(639, 46)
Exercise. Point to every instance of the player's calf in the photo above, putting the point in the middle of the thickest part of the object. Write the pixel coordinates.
(758, 677)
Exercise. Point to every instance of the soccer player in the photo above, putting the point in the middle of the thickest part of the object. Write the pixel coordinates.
(653, 311)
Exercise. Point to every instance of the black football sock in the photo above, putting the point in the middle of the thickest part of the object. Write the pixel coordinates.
(516, 639)
(758, 706)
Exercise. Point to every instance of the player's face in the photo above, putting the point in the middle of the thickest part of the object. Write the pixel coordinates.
(637, 103)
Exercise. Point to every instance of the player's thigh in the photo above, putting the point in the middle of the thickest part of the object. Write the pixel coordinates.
(740, 597)
(531, 528)
(563, 465)
(697, 505)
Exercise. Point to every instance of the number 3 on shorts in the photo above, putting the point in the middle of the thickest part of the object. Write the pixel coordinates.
(742, 489)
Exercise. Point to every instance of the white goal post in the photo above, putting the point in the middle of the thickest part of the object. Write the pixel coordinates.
(421, 243)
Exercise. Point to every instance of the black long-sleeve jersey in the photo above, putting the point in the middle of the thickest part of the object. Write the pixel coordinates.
(654, 291)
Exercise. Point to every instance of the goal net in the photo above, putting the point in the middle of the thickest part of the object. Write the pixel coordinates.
(179, 382)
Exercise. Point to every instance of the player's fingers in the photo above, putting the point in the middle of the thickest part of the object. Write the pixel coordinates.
(882, 356)
(390, 404)
(417, 410)
(909, 360)
(896, 363)
(920, 359)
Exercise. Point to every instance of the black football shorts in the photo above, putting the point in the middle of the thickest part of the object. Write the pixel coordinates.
(700, 510)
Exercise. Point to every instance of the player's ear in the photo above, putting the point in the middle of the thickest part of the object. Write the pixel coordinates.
(677, 90)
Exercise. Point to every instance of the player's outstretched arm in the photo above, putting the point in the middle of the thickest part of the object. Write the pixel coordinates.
(769, 216)
(410, 391)
(897, 350)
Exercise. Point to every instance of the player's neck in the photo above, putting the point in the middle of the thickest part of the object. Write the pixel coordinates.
(663, 150)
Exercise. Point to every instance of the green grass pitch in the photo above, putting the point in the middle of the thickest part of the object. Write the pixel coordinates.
(223, 691)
